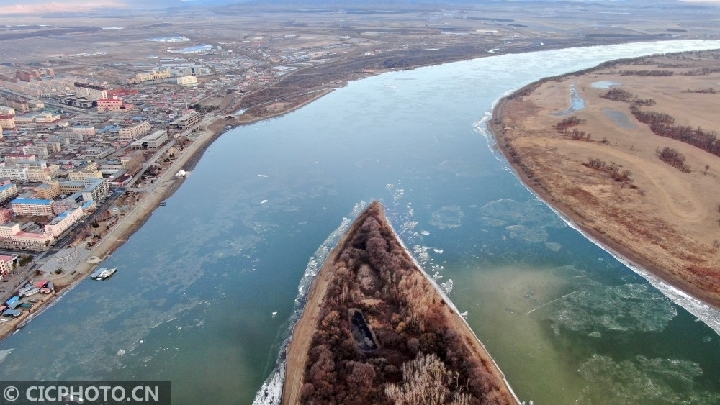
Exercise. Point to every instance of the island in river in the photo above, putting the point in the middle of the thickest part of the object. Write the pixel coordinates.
(376, 329)
(633, 159)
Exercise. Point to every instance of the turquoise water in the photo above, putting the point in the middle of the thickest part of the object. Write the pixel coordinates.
(205, 290)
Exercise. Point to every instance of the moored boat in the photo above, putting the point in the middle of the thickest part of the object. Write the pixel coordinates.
(103, 273)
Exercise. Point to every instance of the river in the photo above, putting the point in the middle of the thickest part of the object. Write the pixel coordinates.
(205, 289)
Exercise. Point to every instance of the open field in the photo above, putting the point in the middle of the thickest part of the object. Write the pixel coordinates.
(324, 46)
(606, 169)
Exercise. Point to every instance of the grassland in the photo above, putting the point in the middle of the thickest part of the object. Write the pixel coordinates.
(618, 167)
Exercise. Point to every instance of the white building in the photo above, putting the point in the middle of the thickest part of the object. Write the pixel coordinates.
(63, 221)
(188, 81)
(90, 92)
(152, 141)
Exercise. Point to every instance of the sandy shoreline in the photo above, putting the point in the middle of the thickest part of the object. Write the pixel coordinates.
(496, 127)
(304, 330)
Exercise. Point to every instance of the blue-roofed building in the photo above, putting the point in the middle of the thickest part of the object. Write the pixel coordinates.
(31, 206)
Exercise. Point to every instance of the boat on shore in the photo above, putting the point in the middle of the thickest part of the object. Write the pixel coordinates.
(103, 273)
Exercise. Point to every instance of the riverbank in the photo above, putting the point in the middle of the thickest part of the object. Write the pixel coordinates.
(659, 219)
(163, 188)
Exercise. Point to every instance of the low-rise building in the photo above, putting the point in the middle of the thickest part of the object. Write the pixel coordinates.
(12, 158)
(98, 153)
(90, 92)
(85, 131)
(7, 264)
(48, 191)
(152, 141)
(7, 121)
(63, 221)
(80, 175)
(135, 131)
(31, 207)
(153, 76)
(186, 121)
(46, 118)
(39, 151)
(188, 81)
(8, 191)
(105, 105)
(5, 215)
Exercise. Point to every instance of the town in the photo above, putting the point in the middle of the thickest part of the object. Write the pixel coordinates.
(103, 120)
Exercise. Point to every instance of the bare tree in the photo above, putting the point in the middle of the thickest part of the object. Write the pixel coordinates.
(426, 381)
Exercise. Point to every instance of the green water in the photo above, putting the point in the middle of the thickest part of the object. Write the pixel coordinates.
(205, 291)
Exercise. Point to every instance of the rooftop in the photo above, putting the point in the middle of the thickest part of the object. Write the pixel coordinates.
(31, 201)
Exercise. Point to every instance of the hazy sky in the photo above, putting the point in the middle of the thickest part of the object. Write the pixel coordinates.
(39, 6)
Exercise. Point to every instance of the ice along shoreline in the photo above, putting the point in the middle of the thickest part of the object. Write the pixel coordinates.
(490, 125)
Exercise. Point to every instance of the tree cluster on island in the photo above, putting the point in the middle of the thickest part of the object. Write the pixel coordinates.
(410, 352)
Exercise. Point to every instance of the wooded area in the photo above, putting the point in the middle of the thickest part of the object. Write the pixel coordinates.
(421, 358)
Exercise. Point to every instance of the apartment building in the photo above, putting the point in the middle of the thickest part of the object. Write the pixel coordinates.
(90, 188)
(110, 104)
(90, 92)
(48, 191)
(31, 207)
(80, 175)
(135, 131)
(5, 215)
(187, 81)
(84, 131)
(186, 121)
(39, 151)
(7, 121)
(7, 264)
(12, 235)
(153, 76)
(8, 191)
(152, 141)
(63, 222)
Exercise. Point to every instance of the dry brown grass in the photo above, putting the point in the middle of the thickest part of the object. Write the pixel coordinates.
(669, 223)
